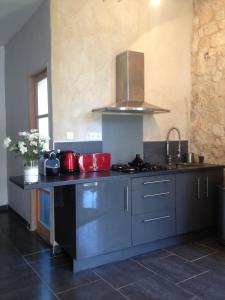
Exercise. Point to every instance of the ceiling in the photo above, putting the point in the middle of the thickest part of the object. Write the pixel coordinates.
(13, 15)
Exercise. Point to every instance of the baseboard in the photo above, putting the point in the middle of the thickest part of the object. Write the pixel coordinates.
(4, 208)
(27, 224)
(92, 262)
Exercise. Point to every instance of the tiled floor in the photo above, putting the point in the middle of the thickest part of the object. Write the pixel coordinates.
(29, 272)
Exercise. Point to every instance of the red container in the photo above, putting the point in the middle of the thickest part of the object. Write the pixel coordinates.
(94, 162)
(68, 161)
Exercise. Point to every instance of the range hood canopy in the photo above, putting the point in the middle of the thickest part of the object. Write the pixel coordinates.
(130, 87)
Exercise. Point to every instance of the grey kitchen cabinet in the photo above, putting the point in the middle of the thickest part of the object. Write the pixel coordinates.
(153, 208)
(196, 199)
(103, 217)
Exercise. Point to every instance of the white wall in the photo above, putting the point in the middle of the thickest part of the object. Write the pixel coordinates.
(3, 157)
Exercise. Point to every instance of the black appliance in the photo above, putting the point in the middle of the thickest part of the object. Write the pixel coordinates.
(138, 165)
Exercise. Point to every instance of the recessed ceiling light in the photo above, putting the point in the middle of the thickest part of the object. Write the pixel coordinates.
(155, 2)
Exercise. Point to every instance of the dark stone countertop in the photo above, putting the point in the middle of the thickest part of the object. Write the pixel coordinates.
(70, 179)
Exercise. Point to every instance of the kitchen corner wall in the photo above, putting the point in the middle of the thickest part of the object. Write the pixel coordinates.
(3, 157)
(87, 36)
(208, 76)
(28, 52)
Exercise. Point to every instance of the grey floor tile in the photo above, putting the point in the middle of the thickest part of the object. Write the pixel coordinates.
(37, 292)
(208, 286)
(214, 262)
(174, 268)
(121, 273)
(46, 258)
(96, 291)
(151, 256)
(191, 251)
(214, 243)
(9, 261)
(22, 283)
(154, 288)
(60, 278)
(47, 264)
(28, 244)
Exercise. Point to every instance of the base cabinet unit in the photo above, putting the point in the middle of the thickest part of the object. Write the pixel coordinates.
(97, 222)
(196, 200)
(153, 208)
(103, 217)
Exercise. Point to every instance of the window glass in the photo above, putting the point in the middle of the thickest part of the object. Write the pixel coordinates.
(43, 127)
(42, 96)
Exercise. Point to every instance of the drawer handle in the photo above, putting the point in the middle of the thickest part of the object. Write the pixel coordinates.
(155, 219)
(153, 195)
(198, 187)
(126, 199)
(90, 184)
(207, 187)
(158, 181)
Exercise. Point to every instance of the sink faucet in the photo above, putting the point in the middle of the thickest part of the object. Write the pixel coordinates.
(169, 157)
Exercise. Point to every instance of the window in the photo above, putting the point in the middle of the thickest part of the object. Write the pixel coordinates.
(42, 113)
(39, 118)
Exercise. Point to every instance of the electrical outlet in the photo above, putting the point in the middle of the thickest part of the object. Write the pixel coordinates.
(94, 136)
(69, 135)
(98, 136)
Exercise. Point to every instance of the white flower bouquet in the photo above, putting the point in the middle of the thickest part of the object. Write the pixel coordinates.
(30, 145)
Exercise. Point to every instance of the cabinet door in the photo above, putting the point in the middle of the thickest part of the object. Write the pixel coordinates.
(188, 202)
(103, 217)
(211, 180)
(197, 199)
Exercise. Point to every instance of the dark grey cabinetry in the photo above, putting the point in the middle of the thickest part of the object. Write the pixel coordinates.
(103, 217)
(196, 199)
(153, 208)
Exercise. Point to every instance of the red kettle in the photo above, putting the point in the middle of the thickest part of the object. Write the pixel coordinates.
(68, 161)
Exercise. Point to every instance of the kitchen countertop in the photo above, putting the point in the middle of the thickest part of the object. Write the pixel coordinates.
(71, 179)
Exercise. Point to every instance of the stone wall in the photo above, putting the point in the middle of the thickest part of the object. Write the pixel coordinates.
(208, 80)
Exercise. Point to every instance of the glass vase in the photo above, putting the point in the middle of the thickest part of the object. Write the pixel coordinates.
(31, 171)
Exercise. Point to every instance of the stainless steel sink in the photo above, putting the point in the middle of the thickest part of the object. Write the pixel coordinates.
(185, 164)
(182, 165)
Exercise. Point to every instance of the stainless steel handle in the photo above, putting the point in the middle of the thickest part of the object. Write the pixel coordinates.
(153, 195)
(157, 181)
(90, 184)
(198, 183)
(207, 187)
(126, 199)
(155, 219)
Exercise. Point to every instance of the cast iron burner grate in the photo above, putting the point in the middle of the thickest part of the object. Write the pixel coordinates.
(138, 165)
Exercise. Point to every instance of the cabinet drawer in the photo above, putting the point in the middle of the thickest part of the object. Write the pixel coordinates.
(147, 228)
(153, 185)
(144, 203)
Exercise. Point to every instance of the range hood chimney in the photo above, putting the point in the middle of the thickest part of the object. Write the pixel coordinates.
(130, 86)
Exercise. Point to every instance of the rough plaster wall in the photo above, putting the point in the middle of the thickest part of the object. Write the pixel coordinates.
(87, 36)
(208, 76)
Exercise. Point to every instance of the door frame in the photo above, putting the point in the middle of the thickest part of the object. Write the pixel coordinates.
(33, 79)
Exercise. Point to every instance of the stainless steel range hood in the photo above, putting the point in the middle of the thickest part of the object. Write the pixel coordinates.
(130, 87)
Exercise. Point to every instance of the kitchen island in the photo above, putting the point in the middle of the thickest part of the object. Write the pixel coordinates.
(107, 216)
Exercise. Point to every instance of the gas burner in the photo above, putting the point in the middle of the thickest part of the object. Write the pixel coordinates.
(124, 168)
(138, 165)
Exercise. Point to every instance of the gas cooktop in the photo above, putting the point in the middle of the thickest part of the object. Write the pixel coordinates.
(138, 165)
